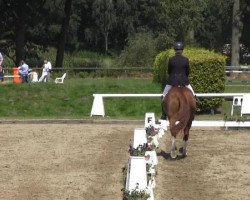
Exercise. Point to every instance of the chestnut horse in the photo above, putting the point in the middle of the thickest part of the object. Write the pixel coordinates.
(180, 106)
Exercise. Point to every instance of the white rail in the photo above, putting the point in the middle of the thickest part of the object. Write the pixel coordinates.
(98, 106)
(225, 95)
(11, 76)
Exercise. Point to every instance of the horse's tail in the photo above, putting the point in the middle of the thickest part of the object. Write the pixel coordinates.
(182, 115)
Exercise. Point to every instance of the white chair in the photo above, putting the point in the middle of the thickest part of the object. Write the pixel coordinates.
(237, 102)
(61, 79)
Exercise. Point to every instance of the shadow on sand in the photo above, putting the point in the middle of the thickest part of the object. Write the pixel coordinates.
(167, 156)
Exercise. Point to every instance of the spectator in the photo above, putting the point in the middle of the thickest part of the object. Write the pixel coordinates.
(1, 59)
(46, 68)
(1, 68)
(23, 71)
(49, 67)
(33, 76)
(1, 73)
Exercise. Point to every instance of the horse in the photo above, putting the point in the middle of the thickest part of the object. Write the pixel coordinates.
(180, 106)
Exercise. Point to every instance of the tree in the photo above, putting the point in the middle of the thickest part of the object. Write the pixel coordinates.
(19, 17)
(245, 39)
(105, 18)
(64, 33)
(215, 29)
(236, 34)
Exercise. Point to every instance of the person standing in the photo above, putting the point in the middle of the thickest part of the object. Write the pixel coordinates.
(1, 68)
(178, 73)
(1, 73)
(23, 71)
(45, 72)
(49, 67)
(1, 59)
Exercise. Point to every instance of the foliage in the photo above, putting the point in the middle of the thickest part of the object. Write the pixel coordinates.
(189, 17)
(86, 59)
(215, 29)
(207, 73)
(79, 59)
(136, 194)
(105, 18)
(27, 23)
(140, 51)
(160, 63)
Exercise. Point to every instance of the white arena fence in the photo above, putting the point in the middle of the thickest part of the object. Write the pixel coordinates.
(241, 100)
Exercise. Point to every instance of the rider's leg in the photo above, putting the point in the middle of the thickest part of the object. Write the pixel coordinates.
(190, 87)
(166, 89)
(164, 114)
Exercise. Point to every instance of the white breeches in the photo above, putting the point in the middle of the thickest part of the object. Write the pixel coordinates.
(168, 87)
(43, 78)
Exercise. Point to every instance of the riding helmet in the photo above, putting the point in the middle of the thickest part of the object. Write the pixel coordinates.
(178, 46)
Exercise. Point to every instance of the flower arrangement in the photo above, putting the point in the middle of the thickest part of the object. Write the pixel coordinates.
(151, 131)
(141, 149)
(135, 194)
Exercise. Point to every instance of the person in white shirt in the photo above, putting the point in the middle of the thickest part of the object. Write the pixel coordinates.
(44, 75)
(1, 68)
(49, 66)
(46, 72)
(1, 59)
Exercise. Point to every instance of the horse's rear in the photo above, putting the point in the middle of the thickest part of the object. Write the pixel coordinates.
(180, 106)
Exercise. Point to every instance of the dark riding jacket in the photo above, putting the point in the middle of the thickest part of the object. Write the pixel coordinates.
(178, 70)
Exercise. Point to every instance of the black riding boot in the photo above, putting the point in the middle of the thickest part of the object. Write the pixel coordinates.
(163, 113)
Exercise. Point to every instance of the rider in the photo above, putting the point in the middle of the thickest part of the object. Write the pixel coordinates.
(178, 72)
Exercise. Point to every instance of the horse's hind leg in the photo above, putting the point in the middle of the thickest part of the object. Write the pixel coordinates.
(185, 138)
(173, 152)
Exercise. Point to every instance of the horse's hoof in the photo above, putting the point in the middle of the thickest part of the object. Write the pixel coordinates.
(183, 151)
(173, 154)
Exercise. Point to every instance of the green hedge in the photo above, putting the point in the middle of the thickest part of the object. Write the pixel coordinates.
(207, 73)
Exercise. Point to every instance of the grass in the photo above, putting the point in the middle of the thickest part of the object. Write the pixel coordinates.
(74, 98)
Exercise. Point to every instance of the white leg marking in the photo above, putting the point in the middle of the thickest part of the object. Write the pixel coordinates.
(173, 153)
(184, 147)
(173, 143)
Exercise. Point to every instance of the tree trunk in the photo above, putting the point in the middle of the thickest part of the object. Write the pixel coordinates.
(106, 35)
(63, 35)
(236, 34)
